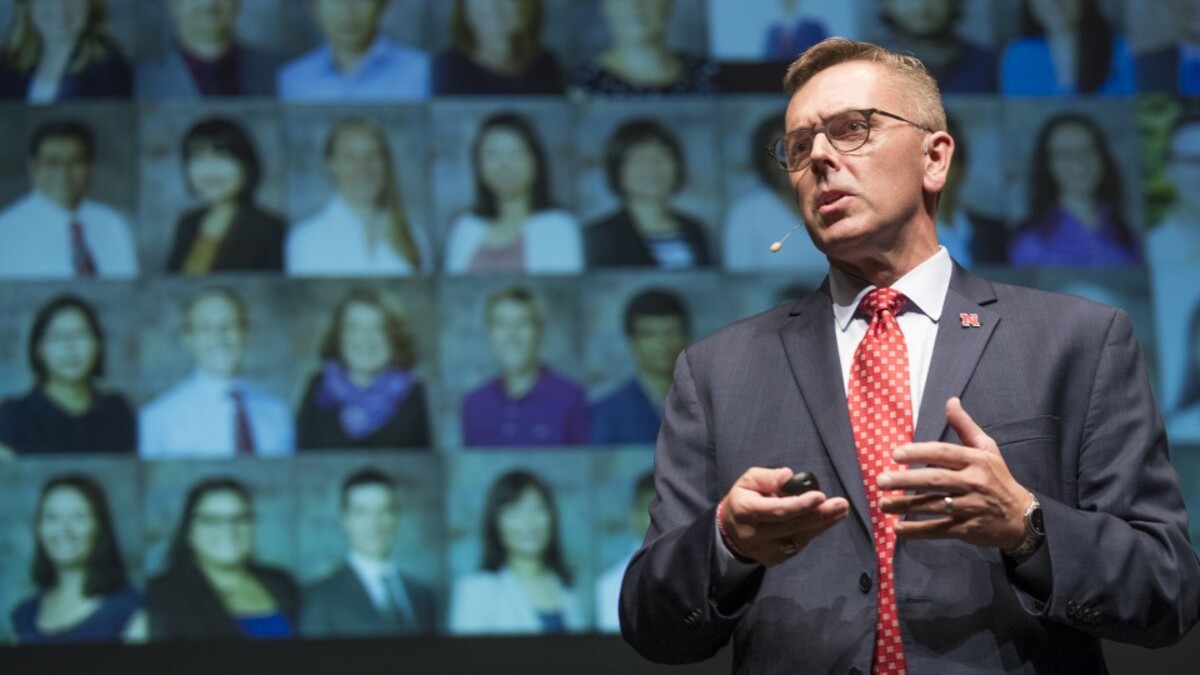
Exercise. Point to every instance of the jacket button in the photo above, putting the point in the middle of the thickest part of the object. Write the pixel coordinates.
(864, 583)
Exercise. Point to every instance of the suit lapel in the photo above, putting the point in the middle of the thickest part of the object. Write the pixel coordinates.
(957, 349)
(811, 348)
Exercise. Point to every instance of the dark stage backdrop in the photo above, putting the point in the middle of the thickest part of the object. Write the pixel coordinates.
(399, 306)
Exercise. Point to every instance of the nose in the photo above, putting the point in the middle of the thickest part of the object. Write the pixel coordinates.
(822, 152)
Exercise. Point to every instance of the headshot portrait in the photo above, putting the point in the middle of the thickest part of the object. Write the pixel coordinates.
(55, 231)
(637, 52)
(972, 209)
(935, 31)
(657, 326)
(528, 402)
(366, 391)
(1076, 212)
(69, 409)
(356, 58)
(496, 49)
(369, 224)
(83, 590)
(1169, 65)
(209, 48)
(1174, 240)
(525, 576)
(514, 222)
(371, 590)
(215, 410)
(224, 227)
(211, 584)
(761, 208)
(64, 50)
(1067, 49)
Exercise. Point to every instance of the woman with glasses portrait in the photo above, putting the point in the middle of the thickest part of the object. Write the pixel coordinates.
(83, 592)
(366, 394)
(645, 167)
(59, 50)
(212, 587)
(513, 225)
(1076, 205)
(228, 231)
(66, 411)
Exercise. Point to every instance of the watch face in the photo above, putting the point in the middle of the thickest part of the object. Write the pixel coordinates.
(1035, 521)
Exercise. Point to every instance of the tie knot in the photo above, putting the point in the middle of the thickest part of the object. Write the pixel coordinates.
(882, 299)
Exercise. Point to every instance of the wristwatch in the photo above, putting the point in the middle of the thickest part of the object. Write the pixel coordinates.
(1035, 533)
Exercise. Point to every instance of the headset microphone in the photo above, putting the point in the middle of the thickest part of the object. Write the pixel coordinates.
(779, 244)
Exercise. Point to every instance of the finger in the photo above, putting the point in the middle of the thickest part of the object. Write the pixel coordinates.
(753, 507)
(800, 524)
(966, 428)
(919, 505)
(945, 455)
(937, 528)
(924, 479)
(762, 480)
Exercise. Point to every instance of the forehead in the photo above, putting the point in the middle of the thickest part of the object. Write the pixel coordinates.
(61, 146)
(853, 85)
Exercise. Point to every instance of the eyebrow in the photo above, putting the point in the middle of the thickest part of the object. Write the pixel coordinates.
(823, 118)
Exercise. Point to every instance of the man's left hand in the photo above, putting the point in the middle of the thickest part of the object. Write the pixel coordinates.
(986, 504)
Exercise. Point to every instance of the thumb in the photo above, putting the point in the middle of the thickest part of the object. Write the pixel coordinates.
(765, 481)
(966, 428)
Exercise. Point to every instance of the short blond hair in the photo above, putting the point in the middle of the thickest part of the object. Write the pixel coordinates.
(834, 51)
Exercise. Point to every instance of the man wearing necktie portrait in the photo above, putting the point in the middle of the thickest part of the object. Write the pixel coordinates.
(995, 492)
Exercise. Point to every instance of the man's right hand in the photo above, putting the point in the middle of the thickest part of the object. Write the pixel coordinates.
(769, 528)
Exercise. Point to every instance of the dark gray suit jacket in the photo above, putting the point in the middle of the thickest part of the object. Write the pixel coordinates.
(340, 605)
(1057, 381)
(167, 76)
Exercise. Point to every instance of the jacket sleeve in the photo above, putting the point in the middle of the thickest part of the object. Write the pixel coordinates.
(668, 613)
(1122, 564)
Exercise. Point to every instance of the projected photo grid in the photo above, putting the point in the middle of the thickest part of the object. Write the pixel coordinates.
(345, 319)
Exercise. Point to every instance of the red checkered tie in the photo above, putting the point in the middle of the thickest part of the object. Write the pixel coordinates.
(880, 401)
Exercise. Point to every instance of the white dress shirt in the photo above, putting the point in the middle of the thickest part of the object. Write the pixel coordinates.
(197, 418)
(383, 584)
(35, 239)
(925, 286)
(333, 242)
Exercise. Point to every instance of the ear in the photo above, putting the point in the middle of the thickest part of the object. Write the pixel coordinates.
(939, 151)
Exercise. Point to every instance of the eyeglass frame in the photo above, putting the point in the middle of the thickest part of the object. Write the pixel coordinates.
(773, 148)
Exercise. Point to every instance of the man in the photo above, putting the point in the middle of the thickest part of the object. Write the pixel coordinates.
(357, 63)
(206, 58)
(529, 403)
(1175, 67)
(54, 232)
(215, 413)
(1036, 513)
(656, 330)
(608, 585)
(367, 594)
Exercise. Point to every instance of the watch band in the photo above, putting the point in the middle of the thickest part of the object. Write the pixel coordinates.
(1034, 533)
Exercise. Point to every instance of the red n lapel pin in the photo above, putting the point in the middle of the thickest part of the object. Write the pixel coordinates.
(969, 320)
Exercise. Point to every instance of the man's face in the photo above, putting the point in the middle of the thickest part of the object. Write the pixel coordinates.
(1183, 166)
(61, 170)
(861, 202)
(348, 24)
(369, 519)
(214, 336)
(656, 342)
(919, 18)
(514, 335)
(206, 19)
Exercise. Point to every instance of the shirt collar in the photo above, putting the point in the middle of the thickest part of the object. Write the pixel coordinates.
(377, 51)
(210, 382)
(369, 568)
(925, 287)
(44, 202)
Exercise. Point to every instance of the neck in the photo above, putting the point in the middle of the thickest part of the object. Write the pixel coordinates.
(361, 379)
(526, 566)
(1082, 207)
(883, 269)
(347, 56)
(71, 580)
(514, 208)
(656, 384)
(206, 47)
(517, 383)
(651, 215)
(495, 52)
(73, 396)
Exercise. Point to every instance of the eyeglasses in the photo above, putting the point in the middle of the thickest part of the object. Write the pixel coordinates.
(846, 132)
